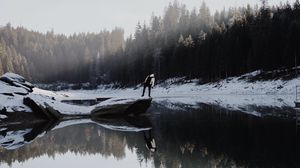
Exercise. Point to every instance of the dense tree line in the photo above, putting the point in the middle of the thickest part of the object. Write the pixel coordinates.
(50, 57)
(11, 61)
(197, 44)
(182, 42)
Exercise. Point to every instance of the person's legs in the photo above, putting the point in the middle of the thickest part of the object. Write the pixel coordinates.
(149, 88)
(144, 90)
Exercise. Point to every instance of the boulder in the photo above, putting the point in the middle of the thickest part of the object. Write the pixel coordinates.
(122, 107)
(17, 81)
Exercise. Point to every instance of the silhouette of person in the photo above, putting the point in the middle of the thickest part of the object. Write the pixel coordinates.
(149, 82)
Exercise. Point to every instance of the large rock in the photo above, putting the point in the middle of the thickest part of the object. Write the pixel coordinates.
(17, 81)
(122, 107)
(17, 95)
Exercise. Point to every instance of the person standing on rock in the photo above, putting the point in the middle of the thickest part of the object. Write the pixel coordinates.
(149, 82)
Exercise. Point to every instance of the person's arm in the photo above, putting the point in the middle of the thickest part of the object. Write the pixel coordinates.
(152, 83)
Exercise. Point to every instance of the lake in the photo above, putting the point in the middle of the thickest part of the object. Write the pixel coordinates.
(176, 135)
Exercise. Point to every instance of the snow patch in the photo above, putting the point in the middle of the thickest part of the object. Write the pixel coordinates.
(235, 93)
(14, 76)
(13, 103)
(3, 116)
(8, 89)
(63, 108)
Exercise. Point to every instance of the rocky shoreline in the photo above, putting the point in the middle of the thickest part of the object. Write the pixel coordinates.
(22, 102)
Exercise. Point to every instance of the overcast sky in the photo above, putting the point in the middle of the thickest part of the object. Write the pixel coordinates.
(69, 16)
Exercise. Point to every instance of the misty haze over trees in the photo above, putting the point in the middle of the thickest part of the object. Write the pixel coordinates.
(192, 43)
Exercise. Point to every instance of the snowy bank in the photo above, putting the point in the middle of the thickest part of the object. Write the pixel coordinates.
(18, 95)
(245, 93)
(241, 93)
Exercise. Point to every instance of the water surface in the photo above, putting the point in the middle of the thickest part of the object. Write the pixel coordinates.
(167, 136)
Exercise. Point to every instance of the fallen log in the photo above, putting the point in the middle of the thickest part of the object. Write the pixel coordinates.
(44, 112)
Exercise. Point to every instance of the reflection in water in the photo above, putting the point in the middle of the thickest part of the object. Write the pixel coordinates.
(211, 136)
(150, 141)
(298, 117)
(202, 137)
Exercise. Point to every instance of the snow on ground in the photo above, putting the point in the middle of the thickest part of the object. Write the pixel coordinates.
(229, 86)
(6, 88)
(13, 103)
(232, 93)
(235, 93)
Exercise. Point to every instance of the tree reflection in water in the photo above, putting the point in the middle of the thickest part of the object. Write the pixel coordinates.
(188, 137)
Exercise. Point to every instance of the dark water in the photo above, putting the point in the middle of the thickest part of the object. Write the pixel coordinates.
(184, 137)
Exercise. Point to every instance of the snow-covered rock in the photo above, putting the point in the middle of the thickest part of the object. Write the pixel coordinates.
(48, 102)
(8, 89)
(16, 80)
(11, 101)
(13, 88)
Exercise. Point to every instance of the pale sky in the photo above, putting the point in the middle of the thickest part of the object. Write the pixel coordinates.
(73, 16)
